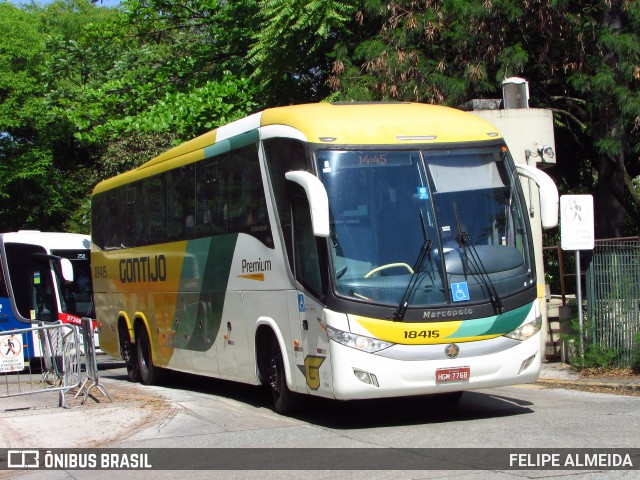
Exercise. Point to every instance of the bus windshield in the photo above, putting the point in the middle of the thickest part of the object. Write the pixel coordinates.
(461, 206)
(77, 296)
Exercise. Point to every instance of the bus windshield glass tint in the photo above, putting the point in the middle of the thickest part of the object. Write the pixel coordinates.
(385, 206)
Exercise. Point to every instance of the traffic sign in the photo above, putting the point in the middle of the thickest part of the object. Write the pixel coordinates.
(576, 222)
(11, 356)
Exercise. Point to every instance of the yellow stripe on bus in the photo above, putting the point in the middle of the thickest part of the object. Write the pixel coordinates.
(417, 333)
(412, 123)
(253, 276)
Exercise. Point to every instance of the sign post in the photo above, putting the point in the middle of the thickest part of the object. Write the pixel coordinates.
(577, 233)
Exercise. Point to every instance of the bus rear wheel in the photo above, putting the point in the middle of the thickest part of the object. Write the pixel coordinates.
(128, 352)
(148, 372)
(284, 400)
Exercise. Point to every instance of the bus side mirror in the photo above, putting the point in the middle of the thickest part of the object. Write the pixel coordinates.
(318, 200)
(67, 270)
(548, 194)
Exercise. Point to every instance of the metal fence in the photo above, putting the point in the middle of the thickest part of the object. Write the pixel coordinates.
(613, 298)
(67, 353)
(91, 365)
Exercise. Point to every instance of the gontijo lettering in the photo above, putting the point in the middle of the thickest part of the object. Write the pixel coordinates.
(143, 269)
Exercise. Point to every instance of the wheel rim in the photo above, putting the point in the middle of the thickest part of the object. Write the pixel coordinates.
(274, 371)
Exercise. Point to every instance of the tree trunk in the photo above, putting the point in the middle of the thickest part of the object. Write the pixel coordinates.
(609, 198)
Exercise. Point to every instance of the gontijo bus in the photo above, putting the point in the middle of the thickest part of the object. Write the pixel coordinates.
(44, 277)
(349, 251)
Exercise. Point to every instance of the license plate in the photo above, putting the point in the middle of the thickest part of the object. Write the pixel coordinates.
(455, 374)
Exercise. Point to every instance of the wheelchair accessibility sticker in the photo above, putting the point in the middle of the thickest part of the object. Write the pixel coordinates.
(460, 292)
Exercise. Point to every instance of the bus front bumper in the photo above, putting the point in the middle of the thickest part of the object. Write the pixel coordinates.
(360, 375)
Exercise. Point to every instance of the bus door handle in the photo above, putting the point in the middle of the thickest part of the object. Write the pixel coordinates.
(305, 325)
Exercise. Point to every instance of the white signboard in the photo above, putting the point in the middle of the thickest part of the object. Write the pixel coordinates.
(11, 356)
(576, 222)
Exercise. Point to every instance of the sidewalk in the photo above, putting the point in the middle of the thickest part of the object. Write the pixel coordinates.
(561, 374)
(32, 421)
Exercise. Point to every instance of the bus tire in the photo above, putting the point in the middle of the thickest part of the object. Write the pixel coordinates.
(128, 352)
(284, 400)
(149, 373)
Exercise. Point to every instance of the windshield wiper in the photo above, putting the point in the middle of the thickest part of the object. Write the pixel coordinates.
(479, 269)
(425, 251)
(460, 239)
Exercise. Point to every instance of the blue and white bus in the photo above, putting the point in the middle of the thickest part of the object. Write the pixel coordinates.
(44, 277)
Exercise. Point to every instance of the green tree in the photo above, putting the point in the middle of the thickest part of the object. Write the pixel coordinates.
(40, 167)
(290, 54)
(178, 68)
(582, 60)
(87, 92)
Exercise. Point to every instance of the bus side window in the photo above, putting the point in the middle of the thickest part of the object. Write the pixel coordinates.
(247, 206)
(106, 221)
(43, 294)
(211, 215)
(154, 210)
(284, 155)
(97, 220)
(181, 203)
(132, 215)
(307, 260)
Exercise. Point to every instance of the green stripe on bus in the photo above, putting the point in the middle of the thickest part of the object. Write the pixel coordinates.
(217, 149)
(238, 141)
(495, 325)
(203, 284)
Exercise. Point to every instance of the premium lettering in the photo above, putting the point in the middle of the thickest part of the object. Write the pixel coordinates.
(258, 266)
(143, 269)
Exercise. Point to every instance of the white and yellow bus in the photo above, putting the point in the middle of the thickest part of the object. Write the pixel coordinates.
(349, 251)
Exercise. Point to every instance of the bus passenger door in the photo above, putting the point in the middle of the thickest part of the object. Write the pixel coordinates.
(311, 354)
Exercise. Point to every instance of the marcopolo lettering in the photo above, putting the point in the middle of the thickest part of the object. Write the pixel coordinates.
(454, 312)
(143, 269)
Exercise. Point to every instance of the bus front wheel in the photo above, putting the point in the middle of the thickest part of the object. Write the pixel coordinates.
(284, 400)
(149, 373)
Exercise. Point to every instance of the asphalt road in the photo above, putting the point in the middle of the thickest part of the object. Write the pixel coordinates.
(196, 412)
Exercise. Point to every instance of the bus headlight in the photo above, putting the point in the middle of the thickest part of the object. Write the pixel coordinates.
(359, 342)
(527, 330)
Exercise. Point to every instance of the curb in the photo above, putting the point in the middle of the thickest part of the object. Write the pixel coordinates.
(634, 387)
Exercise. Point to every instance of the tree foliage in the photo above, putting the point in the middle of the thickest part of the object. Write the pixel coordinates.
(178, 67)
(582, 60)
(290, 54)
(40, 166)
(87, 92)
(96, 83)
